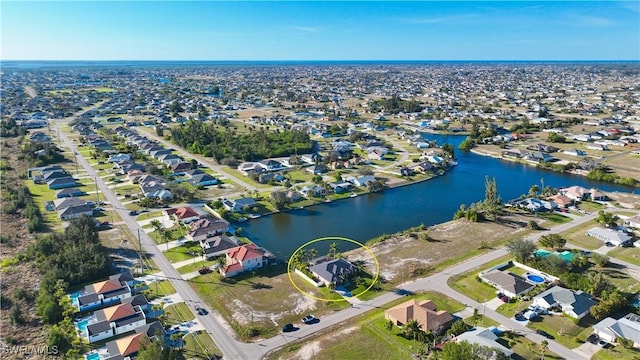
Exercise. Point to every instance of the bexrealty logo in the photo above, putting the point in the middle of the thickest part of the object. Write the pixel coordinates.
(29, 349)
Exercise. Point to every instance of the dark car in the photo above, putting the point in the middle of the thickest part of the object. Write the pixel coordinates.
(201, 311)
(205, 270)
(133, 213)
(545, 334)
(309, 319)
(593, 338)
(289, 327)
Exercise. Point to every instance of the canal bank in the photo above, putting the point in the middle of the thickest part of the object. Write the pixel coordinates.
(428, 202)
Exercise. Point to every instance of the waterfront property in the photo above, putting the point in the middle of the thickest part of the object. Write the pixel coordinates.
(243, 258)
(424, 312)
(333, 272)
(576, 304)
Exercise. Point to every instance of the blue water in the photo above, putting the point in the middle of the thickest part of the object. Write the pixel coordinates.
(92, 356)
(430, 202)
(535, 278)
(82, 325)
(74, 297)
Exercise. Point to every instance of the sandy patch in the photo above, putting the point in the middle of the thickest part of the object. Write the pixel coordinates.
(308, 351)
(302, 303)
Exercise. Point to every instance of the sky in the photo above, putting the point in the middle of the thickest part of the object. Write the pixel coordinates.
(310, 30)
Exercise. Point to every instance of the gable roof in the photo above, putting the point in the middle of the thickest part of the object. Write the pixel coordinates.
(182, 213)
(485, 337)
(105, 286)
(120, 311)
(130, 345)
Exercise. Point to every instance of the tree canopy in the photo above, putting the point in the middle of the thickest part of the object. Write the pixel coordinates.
(205, 138)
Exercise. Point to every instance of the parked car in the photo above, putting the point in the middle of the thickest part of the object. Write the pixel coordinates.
(201, 311)
(545, 334)
(289, 328)
(593, 338)
(205, 270)
(133, 213)
(609, 244)
(309, 319)
(603, 344)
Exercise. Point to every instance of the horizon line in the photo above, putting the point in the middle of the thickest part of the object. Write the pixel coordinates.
(308, 60)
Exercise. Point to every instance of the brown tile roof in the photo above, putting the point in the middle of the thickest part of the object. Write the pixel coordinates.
(424, 312)
(106, 286)
(116, 312)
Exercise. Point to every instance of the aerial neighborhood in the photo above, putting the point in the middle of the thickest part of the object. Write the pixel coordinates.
(304, 211)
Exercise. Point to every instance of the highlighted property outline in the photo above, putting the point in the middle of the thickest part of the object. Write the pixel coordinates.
(375, 260)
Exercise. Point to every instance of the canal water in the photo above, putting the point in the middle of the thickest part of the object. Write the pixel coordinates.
(429, 202)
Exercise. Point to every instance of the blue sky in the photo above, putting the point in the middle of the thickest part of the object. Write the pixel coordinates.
(333, 30)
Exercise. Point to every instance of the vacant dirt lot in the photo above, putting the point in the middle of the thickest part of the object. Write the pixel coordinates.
(405, 255)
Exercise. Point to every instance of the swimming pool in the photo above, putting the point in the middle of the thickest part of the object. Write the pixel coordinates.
(74, 297)
(535, 278)
(82, 326)
(92, 356)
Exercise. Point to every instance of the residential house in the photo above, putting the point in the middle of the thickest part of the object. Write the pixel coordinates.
(203, 179)
(421, 167)
(317, 169)
(69, 192)
(539, 157)
(62, 182)
(180, 168)
(535, 205)
(574, 152)
(63, 203)
(627, 327)
(119, 157)
(514, 153)
(617, 238)
(242, 258)
(596, 195)
(633, 222)
(313, 190)
(575, 304)
(114, 320)
(184, 214)
(271, 165)
(205, 228)
(76, 211)
(363, 180)
(577, 193)
(484, 337)
(127, 348)
(102, 294)
(217, 245)
(250, 167)
(239, 204)
(425, 312)
(333, 272)
(561, 200)
(507, 283)
(340, 187)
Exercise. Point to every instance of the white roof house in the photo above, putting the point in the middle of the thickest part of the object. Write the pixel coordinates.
(617, 238)
(627, 327)
(484, 337)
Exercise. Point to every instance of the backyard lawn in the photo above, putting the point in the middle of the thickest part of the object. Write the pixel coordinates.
(159, 289)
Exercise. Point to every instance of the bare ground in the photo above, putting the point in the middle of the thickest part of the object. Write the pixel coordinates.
(404, 255)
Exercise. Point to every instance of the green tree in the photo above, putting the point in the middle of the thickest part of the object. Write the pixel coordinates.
(521, 249)
(333, 250)
(544, 346)
(492, 203)
(607, 219)
(599, 259)
(458, 328)
(552, 241)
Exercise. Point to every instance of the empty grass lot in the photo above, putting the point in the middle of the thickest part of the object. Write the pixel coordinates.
(617, 353)
(578, 237)
(628, 254)
(200, 345)
(565, 331)
(160, 288)
(177, 314)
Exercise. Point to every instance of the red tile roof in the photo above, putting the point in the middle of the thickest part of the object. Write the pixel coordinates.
(245, 252)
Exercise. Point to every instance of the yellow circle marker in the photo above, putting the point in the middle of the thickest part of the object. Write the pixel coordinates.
(328, 238)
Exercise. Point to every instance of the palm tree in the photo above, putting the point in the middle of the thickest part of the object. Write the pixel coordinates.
(333, 250)
(544, 345)
(165, 235)
(413, 329)
(157, 225)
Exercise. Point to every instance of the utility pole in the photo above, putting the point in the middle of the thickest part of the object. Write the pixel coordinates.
(95, 179)
(140, 251)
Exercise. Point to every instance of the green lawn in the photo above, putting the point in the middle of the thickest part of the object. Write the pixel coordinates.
(628, 254)
(176, 233)
(194, 267)
(556, 218)
(510, 309)
(590, 206)
(200, 345)
(181, 253)
(159, 289)
(565, 331)
(524, 348)
(617, 353)
(470, 284)
(178, 313)
(620, 279)
(577, 236)
(246, 179)
(149, 215)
